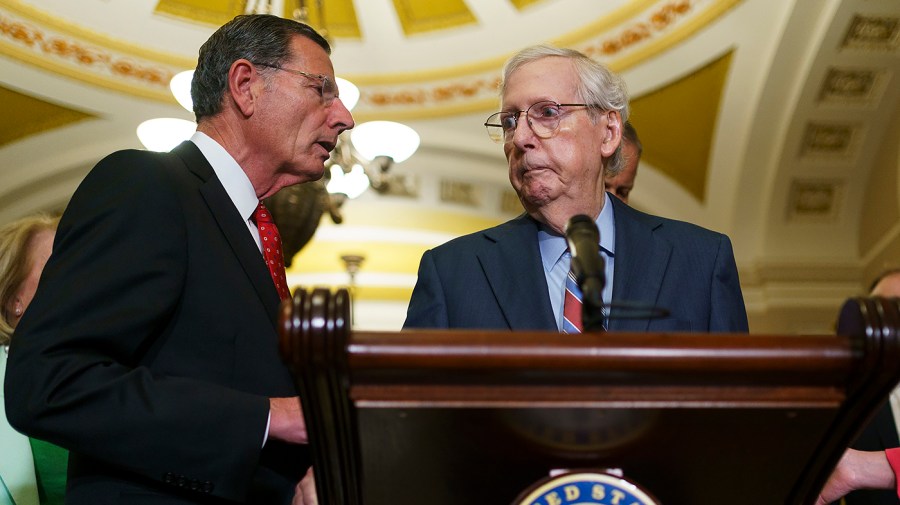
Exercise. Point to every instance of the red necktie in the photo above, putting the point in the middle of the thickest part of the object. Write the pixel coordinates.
(271, 249)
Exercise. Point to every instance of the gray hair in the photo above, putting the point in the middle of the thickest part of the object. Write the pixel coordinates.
(597, 85)
(259, 38)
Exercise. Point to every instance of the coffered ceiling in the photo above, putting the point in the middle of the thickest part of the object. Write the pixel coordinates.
(774, 121)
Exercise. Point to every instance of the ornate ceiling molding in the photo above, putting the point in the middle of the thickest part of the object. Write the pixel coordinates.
(620, 38)
(42, 40)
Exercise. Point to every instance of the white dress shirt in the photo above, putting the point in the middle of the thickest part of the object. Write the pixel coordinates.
(233, 178)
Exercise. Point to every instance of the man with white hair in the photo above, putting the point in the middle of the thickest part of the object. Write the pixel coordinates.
(560, 125)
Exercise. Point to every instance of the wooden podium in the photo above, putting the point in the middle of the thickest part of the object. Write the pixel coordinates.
(444, 417)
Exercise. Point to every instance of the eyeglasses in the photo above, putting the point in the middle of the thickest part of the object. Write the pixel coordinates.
(543, 118)
(328, 90)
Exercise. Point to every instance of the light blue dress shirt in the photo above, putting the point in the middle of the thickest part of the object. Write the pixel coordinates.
(556, 259)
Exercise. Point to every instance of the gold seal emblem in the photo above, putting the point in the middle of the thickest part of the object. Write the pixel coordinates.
(585, 488)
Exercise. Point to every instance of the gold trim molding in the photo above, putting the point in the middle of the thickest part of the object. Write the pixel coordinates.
(622, 38)
(27, 36)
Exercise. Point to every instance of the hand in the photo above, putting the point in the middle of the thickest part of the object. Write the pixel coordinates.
(305, 492)
(857, 470)
(286, 420)
(839, 483)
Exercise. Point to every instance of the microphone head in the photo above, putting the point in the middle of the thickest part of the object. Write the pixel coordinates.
(579, 220)
(580, 225)
(583, 239)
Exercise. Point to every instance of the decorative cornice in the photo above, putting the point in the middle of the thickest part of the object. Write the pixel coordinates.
(74, 57)
(658, 21)
(621, 38)
(36, 38)
(73, 51)
(646, 33)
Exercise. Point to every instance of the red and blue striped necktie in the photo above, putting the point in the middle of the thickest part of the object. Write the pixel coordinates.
(572, 307)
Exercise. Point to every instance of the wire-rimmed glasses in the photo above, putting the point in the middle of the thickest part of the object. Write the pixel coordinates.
(543, 117)
(328, 89)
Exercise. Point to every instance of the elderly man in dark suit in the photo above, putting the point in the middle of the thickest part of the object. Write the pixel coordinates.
(150, 350)
(561, 128)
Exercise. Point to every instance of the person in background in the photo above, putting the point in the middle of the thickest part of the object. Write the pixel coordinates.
(622, 182)
(31, 471)
(150, 350)
(865, 470)
(560, 126)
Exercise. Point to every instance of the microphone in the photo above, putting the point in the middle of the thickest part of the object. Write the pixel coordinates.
(583, 238)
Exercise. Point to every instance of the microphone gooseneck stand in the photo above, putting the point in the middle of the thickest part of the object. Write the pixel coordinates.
(588, 267)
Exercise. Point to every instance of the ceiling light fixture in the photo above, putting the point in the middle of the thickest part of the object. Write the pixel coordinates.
(164, 133)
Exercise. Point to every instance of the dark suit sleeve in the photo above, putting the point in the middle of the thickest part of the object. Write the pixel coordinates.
(427, 306)
(78, 373)
(727, 311)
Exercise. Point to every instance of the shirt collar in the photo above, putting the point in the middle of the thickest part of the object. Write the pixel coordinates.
(230, 174)
(553, 245)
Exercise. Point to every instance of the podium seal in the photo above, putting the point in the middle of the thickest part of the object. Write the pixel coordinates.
(585, 488)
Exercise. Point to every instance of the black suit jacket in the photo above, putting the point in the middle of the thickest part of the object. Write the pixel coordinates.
(494, 279)
(150, 349)
(878, 435)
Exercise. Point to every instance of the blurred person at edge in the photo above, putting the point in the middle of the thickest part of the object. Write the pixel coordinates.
(31, 471)
(622, 182)
(868, 470)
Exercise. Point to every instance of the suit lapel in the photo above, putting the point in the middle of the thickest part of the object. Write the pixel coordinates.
(518, 285)
(232, 226)
(640, 263)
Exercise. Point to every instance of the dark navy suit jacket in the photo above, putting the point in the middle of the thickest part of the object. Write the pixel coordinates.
(494, 279)
(150, 349)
